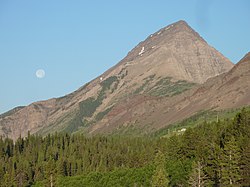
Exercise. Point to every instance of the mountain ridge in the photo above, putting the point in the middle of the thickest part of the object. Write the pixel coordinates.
(167, 63)
(226, 91)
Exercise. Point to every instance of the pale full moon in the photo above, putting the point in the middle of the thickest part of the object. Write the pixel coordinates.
(40, 73)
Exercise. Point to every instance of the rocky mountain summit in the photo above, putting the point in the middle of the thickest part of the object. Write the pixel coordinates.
(149, 81)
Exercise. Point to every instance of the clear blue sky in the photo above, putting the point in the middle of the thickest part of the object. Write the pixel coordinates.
(75, 41)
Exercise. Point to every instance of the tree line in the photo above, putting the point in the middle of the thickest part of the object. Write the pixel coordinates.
(211, 154)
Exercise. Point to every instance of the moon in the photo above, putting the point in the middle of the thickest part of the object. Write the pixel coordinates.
(40, 73)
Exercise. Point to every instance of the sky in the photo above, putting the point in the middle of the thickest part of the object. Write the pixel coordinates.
(75, 41)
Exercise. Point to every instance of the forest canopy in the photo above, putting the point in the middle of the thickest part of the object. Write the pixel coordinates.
(210, 154)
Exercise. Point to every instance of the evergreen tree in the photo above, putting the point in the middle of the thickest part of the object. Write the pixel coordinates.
(197, 177)
(160, 178)
(7, 180)
(21, 178)
(245, 163)
(62, 167)
(223, 149)
(230, 160)
(50, 173)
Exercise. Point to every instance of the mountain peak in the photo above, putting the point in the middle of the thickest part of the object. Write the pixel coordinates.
(179, 26)
(182, 26)
(180, 52)
(173, 34)
(167, 63)
(180, 23)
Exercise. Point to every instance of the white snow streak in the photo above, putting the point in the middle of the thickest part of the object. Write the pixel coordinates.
(142, 51)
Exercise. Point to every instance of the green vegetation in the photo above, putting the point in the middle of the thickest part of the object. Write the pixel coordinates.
(100, 115)
(123, 73)
(207, 116)
(160, 177)
(121, 177)
(106, 84)
(38, 160)
(133, 129)
(166, 87)
(144, 85)
(73, 122)
(208, 154)
(88, 107)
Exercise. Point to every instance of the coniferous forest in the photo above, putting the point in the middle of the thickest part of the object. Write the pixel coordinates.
(210, 154)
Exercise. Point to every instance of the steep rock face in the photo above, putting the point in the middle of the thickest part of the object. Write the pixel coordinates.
(231, 89)
(225, 91)
(180, 53)
(167, 63)
(31, 117)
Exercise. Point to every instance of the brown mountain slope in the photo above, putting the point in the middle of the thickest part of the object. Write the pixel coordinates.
(167, 63)
(226, 91)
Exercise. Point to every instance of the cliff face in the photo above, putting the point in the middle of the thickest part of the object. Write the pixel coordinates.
(168, 63)
(146, 114)
(178, 51)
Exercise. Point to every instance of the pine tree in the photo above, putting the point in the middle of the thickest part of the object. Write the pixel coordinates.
(245, 163)
(160, 178)
(39, 172)
(62, 167)
(50, 172)
(7, 180)
(21, 178)
(230, 160)
(197, 177)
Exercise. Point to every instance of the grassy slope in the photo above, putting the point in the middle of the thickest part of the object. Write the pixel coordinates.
(197, 119)
(77, 120)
